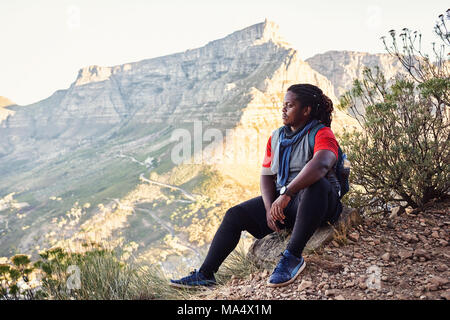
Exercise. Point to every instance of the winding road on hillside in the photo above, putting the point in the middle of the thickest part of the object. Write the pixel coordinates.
(190, 196)
(166, 225)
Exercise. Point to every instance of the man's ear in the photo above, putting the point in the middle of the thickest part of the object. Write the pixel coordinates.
(307, 111)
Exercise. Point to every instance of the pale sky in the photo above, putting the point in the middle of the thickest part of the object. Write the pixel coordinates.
(43, 43)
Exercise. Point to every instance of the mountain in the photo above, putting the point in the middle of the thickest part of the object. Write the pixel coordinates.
(342, 67)
(96, 161)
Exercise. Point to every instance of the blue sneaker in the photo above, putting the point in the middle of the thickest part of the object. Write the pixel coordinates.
(287, 270)
(194, 279)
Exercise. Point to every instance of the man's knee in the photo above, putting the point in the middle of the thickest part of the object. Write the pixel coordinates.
(232, 215)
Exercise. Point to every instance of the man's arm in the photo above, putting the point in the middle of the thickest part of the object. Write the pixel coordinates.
(313, 171)
(268, 190)
(269, 193)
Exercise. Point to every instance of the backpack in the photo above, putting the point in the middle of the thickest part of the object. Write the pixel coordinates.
(341, 167)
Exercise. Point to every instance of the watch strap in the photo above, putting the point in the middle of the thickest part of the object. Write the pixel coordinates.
(288, 192)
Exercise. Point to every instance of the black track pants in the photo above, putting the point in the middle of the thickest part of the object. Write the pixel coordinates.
(312, 207)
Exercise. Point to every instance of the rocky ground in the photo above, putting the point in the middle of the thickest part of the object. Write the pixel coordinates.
(404, 256)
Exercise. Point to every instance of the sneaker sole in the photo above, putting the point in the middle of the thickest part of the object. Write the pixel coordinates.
(185, 286)
(275, 285)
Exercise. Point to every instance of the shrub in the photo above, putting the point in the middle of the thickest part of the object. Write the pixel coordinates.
(15, 279)
(99, 274)
(402, 152)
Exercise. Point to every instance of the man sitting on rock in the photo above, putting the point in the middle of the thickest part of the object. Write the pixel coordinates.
(298, 186)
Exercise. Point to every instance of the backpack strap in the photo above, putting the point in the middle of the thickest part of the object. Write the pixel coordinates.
(312, 135)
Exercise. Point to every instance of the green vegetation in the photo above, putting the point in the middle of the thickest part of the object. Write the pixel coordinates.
(96, 274)
(14, 279)
(99, 274)
(402, 154)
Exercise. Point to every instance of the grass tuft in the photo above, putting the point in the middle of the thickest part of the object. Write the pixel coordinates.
(99, 274)
(238, 264)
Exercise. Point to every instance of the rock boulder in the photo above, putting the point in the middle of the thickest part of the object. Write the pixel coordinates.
(266, 251)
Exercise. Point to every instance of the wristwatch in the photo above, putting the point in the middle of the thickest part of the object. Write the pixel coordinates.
(286, 191)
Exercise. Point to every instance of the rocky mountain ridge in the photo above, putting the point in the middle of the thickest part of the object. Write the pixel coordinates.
(342, 67)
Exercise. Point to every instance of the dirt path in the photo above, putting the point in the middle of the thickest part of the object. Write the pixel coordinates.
(190, 196)
(121, 155)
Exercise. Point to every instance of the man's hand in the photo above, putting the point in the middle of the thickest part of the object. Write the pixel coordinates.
(271, 222)
(276, 211)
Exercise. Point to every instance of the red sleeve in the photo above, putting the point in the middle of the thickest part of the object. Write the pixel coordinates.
(267, 162)
(325, 140)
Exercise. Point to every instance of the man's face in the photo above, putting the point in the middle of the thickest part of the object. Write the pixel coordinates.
(292, 113)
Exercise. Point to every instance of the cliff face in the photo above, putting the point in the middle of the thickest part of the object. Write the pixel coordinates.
(192, 84)
(342, 67)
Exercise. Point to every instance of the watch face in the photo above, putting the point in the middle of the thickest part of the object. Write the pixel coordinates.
(283, 190)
